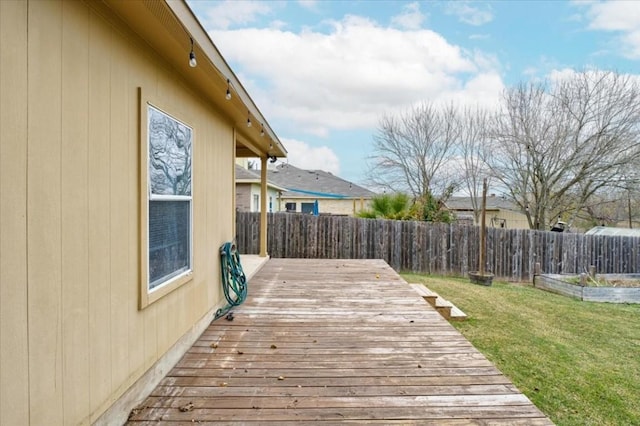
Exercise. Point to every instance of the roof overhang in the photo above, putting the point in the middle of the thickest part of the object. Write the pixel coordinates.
(167, 27)
(257, 182)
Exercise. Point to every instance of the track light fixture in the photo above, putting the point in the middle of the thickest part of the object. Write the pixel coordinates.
(248, 119)
(262, 130)
(192, 56)
(228, 95)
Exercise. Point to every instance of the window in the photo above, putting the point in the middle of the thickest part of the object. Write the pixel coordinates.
(307, 208)
(270, 204)
(290, 207)
(168, 237)
(256, 203)
(498, 223)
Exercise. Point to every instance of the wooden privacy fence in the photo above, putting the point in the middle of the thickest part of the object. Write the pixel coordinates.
(435, 247)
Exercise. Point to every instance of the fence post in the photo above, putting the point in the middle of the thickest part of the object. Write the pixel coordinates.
(536, 268)
(583, 279)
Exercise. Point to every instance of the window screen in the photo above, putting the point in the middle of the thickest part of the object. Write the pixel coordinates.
(169, 240)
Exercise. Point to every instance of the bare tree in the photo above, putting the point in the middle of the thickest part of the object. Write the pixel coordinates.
(616, 204)
(412, 149)
(554, 144)
(473, 146)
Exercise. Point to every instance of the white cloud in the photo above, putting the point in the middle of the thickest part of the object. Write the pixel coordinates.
(483, 90)
(304, 156)
(614, 16)
(541, 68)
(632, 40)
(308, 4)
(411, 17)
(278, 24)
(468, 14)
(347, 77)
(565, 74)
(228, 13)
(621, 17)
(485, 61)
(562, 74)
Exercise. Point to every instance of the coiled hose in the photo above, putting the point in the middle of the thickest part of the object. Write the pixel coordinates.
(234, 281)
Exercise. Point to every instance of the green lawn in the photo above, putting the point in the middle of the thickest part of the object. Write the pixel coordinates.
(579, 362)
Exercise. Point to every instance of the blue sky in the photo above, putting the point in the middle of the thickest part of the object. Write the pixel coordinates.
(323, 72)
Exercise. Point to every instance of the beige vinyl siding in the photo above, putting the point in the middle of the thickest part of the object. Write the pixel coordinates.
(44, 214)
(330, 205)
(72, 336)
(14, 345)
(514, 220)
(75, 220)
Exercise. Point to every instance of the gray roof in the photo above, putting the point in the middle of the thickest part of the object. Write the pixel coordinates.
(493, 203)
(246, 175)
(249, 176)
(315, 184)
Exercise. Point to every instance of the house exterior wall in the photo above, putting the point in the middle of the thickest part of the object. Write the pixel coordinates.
(329, 205)
(512, 219)
(243, 197)
(272, 195)
(72, 336)
(245, 193)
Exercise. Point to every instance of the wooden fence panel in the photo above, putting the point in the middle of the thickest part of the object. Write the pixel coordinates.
(437, 248)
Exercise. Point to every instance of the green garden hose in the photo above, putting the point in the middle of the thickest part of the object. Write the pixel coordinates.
(234, 281)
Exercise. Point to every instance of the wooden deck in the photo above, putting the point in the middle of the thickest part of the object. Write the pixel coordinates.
(333, 341)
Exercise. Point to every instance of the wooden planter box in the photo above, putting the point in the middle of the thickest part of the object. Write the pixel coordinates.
(485, 279)
(558, 284)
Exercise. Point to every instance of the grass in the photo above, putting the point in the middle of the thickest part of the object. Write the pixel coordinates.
(578, 362)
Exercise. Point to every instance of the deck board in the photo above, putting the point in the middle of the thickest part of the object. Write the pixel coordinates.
(334, 341)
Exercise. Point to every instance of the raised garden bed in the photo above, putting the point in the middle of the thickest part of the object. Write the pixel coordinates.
(611, 288)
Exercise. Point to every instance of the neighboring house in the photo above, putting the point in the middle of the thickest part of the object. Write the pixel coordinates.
(613, 231)
(308, 190)
(116, 193)
(500, 213)
(248, 190)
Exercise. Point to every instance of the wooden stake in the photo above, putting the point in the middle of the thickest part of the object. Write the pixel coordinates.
(483, 226)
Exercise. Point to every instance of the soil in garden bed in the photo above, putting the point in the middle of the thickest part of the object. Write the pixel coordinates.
(618, 283)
